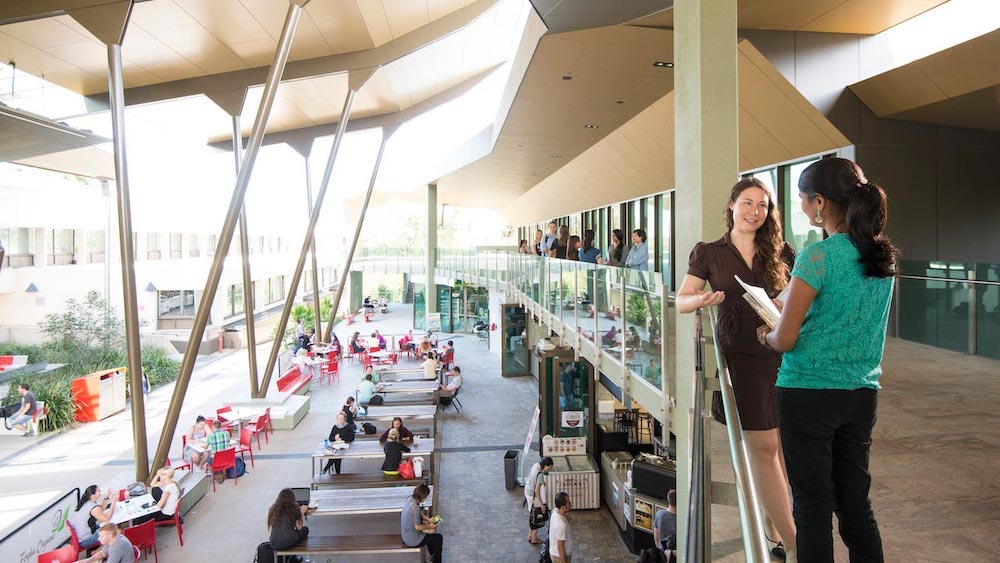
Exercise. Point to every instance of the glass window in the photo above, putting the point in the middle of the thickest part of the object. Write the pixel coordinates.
(194, 246)
(176, 245)
(177, 303)
(210, 245)
(798, 231)
(616, 219)
(153, 242)
(234, 300)
(666, 230)
(62, 241)
(16, 241)
(650, 226)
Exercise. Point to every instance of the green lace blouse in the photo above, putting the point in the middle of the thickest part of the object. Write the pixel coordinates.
(843, 335)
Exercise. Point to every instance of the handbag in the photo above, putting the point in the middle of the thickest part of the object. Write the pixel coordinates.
(406, 469)
(538, 516)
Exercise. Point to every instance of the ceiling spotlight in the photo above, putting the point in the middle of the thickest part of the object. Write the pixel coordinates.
(663, 64)
(620, 102)
(590, 126)
(567, 77)
(556, 156)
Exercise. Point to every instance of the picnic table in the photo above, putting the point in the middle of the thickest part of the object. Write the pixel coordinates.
(409, 387)
(343, 502)
(370, 450)
(405, 412)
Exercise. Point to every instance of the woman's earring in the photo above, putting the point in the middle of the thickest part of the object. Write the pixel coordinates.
(819, 217)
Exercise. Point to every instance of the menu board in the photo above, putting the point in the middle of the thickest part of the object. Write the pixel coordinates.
(643, 515)
(563, 446)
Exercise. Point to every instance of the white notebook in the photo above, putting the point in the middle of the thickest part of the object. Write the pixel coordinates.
(761, 303)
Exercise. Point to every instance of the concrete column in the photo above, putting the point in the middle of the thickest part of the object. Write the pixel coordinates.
(431, 288)
(706, 160)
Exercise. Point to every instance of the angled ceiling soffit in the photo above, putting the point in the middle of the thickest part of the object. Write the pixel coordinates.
(776, 124)
(945, 87)
(307, 68)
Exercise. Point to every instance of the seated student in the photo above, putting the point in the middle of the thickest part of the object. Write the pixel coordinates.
(610, 337)
(366, 390)
(285, 520)
(334, 347)
(417, 529)
(393, 449)
(430, 365)
(425, 347)
(380, 338)
(356, 347)
(397, 424)
(370, 371)
(406, 343)
(305, 341)
(115, 547)
(90, 515)
(194, 452)
(350, 410)
(453, 386)
(301, 360)
(167, 495)
(217, 441)
(340, 432)
(21, 420)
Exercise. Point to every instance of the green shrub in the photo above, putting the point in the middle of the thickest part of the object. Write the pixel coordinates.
(52, 389)
(34, 352)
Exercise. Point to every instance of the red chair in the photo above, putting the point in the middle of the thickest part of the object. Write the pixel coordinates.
(64, 554)
(137, 553)
(176, 521)
(330, 369)
(246, 437)
(366, 361)
(74, 541)
(143, 537)
(267, 419)
(449, 358)
(257, 428)
(184, 465)
(222, 461)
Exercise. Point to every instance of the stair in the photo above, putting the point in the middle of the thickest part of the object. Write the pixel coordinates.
(408, 297)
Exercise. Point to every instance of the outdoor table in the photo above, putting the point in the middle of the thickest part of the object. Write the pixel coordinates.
(342, 502)
(131, 508)
(370, 450)
(387, 413)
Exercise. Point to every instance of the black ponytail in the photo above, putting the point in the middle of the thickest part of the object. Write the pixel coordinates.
(867, 212)
(865, 207)
(87, 493)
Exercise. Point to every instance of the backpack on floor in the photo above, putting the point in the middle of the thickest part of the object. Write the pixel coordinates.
(376, 400)
(369, 428)
(240, 469)
(264, 553)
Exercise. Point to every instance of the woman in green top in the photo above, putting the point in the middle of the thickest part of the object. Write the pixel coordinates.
(832, 332)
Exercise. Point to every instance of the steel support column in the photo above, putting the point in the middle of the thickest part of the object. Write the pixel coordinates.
(116, 93)
(286, 311)
(312, 253)
(387, 132)
(228, 228)
(248, 304)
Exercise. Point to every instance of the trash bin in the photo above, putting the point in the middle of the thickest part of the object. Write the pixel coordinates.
(510, 469)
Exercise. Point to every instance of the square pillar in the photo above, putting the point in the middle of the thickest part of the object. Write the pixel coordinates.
(706, 159)
(430, 293)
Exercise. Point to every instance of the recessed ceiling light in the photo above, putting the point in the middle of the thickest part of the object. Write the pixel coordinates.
(591, 126)
(663, 64)
(620, 102)
(557, 156)
(567, 77)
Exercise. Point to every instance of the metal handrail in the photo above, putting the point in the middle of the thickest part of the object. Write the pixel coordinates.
(754, 540)
(956, 280)
(697, 531)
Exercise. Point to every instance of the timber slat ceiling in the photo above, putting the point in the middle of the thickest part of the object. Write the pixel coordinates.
(865, 17)
(24, 135)
(776, 123)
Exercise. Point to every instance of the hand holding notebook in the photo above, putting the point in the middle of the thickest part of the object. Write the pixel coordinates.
(761, 303)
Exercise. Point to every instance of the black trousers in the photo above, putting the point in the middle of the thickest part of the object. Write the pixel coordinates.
(826, 436)
(435, 545)
(335, 463)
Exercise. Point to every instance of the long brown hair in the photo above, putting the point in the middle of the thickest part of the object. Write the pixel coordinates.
(769, 239)
(571, 253)
(284, 510)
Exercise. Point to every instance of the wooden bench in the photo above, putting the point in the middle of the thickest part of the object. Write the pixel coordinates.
(364, 480)
(295, 382)
(351, 545)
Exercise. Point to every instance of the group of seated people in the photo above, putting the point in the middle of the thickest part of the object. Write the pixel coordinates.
(91, 521)
(203, 442)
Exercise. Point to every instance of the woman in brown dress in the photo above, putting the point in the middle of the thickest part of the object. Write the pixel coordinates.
(753, 249)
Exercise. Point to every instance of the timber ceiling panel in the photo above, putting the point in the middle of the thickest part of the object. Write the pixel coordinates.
(955, 86)
(24, 135)
(612, 79)
(170, 40)
(865, 17)
(776, 123)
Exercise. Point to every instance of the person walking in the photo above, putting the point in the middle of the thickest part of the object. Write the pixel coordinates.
(534, 498)
(665, 527)
(560, 537)
(754, 249)
(832, 332)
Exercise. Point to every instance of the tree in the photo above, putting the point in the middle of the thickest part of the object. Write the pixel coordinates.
(87, 324)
